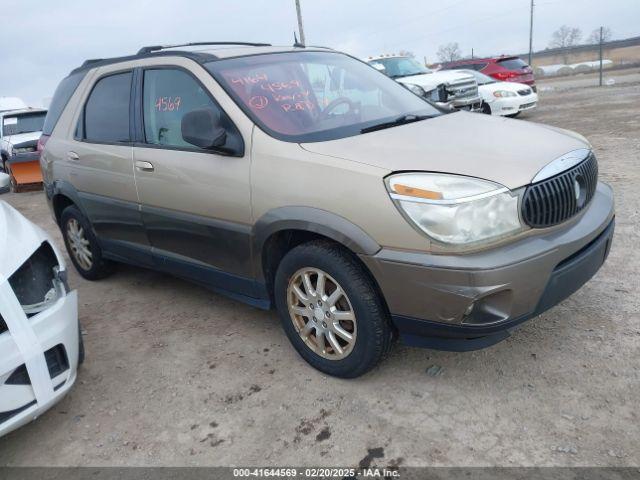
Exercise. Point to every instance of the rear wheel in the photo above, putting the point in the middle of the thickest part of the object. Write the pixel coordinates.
(331, 310)
(82, 245)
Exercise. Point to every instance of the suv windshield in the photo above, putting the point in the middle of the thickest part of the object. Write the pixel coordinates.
(314, 96)
(401, 66)
(25, 123)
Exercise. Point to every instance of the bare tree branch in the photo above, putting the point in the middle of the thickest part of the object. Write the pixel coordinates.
(449, 52)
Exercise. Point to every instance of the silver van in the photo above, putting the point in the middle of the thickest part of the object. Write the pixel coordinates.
(304, 179)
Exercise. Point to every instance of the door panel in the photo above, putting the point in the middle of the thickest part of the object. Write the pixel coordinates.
(197, 206)
(100, 163)
(195, 203)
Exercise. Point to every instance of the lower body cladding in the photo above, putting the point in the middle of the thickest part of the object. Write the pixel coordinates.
(38, 356)
(468, 302)
(513, 105)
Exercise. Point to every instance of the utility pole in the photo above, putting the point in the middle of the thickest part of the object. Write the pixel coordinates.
(601, 33)
(531, 35)
(300, 29)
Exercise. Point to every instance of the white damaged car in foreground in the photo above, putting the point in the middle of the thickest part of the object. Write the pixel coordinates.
(40, 342)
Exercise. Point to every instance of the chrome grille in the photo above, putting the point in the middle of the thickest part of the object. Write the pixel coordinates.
(466, 89)
(556, 199)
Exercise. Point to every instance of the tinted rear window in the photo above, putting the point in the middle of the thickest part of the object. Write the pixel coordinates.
(106, 113)
(513, 63)
(60, 99)
(25, 123)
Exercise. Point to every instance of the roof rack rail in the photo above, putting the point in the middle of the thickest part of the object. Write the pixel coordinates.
(155, 48)
(90, 61)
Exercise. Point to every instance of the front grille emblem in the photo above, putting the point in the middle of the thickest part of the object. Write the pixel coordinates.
(576, 188)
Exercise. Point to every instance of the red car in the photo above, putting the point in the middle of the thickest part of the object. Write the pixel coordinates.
(506, 69)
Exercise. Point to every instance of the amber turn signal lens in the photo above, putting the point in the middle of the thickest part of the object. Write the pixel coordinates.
(416, 192)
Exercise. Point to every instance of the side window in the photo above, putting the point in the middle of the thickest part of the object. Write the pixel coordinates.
(106, 113)
(169, 94)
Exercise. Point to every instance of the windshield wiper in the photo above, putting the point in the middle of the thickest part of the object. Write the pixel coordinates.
(401, 120)
(414, 74)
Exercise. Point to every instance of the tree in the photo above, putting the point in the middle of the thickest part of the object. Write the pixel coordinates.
(449, 52)
(565, 37)
(406, 53)
(594, 38)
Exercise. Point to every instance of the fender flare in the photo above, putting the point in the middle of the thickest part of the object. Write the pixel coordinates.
(313, 220)
(62, 187)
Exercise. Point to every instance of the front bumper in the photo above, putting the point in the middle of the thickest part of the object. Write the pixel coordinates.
(465, 302)
(24, 157)
(512, 105)
(32, 381)
(470, 104)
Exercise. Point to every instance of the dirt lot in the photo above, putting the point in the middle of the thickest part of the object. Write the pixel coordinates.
(176, 375)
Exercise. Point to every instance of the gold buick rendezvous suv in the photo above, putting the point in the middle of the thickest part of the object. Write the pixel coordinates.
(304, 179)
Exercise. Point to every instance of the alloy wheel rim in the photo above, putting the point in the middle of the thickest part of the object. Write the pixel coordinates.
(321, 313)
(79, 244)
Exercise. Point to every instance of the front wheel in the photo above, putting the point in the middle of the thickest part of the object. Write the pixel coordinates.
(331, 310)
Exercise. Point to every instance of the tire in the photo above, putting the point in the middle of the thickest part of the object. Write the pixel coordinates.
(371, 328)
(486, 108)
(97, 267)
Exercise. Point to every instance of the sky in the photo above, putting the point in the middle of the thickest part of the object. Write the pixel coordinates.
(41, 41)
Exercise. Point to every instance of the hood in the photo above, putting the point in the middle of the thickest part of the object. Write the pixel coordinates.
(506, 151)
(434, 79)
(23, 137)
(19, 238)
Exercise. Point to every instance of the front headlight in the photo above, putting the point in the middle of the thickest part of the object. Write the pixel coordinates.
(503, 93)
(454, 209)
(418, 90)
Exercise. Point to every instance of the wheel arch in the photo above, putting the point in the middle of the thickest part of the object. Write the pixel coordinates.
(63, 194)
(282, 229)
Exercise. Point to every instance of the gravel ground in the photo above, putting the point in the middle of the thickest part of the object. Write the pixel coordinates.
(176, 375)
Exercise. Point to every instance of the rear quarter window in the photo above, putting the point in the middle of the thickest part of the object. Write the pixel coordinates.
(60, 99)
(513, 63)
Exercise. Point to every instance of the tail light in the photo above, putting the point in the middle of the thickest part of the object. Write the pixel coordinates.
(505, 75)
(42, 141)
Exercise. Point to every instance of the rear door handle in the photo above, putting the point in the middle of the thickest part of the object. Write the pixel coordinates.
(144, 166)
(73, 156)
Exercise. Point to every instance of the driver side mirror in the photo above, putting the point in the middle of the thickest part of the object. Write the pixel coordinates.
(4, 180)
(203, 128)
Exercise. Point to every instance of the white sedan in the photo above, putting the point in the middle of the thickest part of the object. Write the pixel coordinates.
(40, 342)
(504, 98)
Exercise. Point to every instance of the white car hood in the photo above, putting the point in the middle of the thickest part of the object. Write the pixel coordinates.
(23, 137)
(19, 238)
(432, 80)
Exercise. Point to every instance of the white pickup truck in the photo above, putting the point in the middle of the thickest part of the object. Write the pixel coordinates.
(450, 88)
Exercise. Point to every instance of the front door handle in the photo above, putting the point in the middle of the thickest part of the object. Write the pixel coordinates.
(144, 166)
(73, 156)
